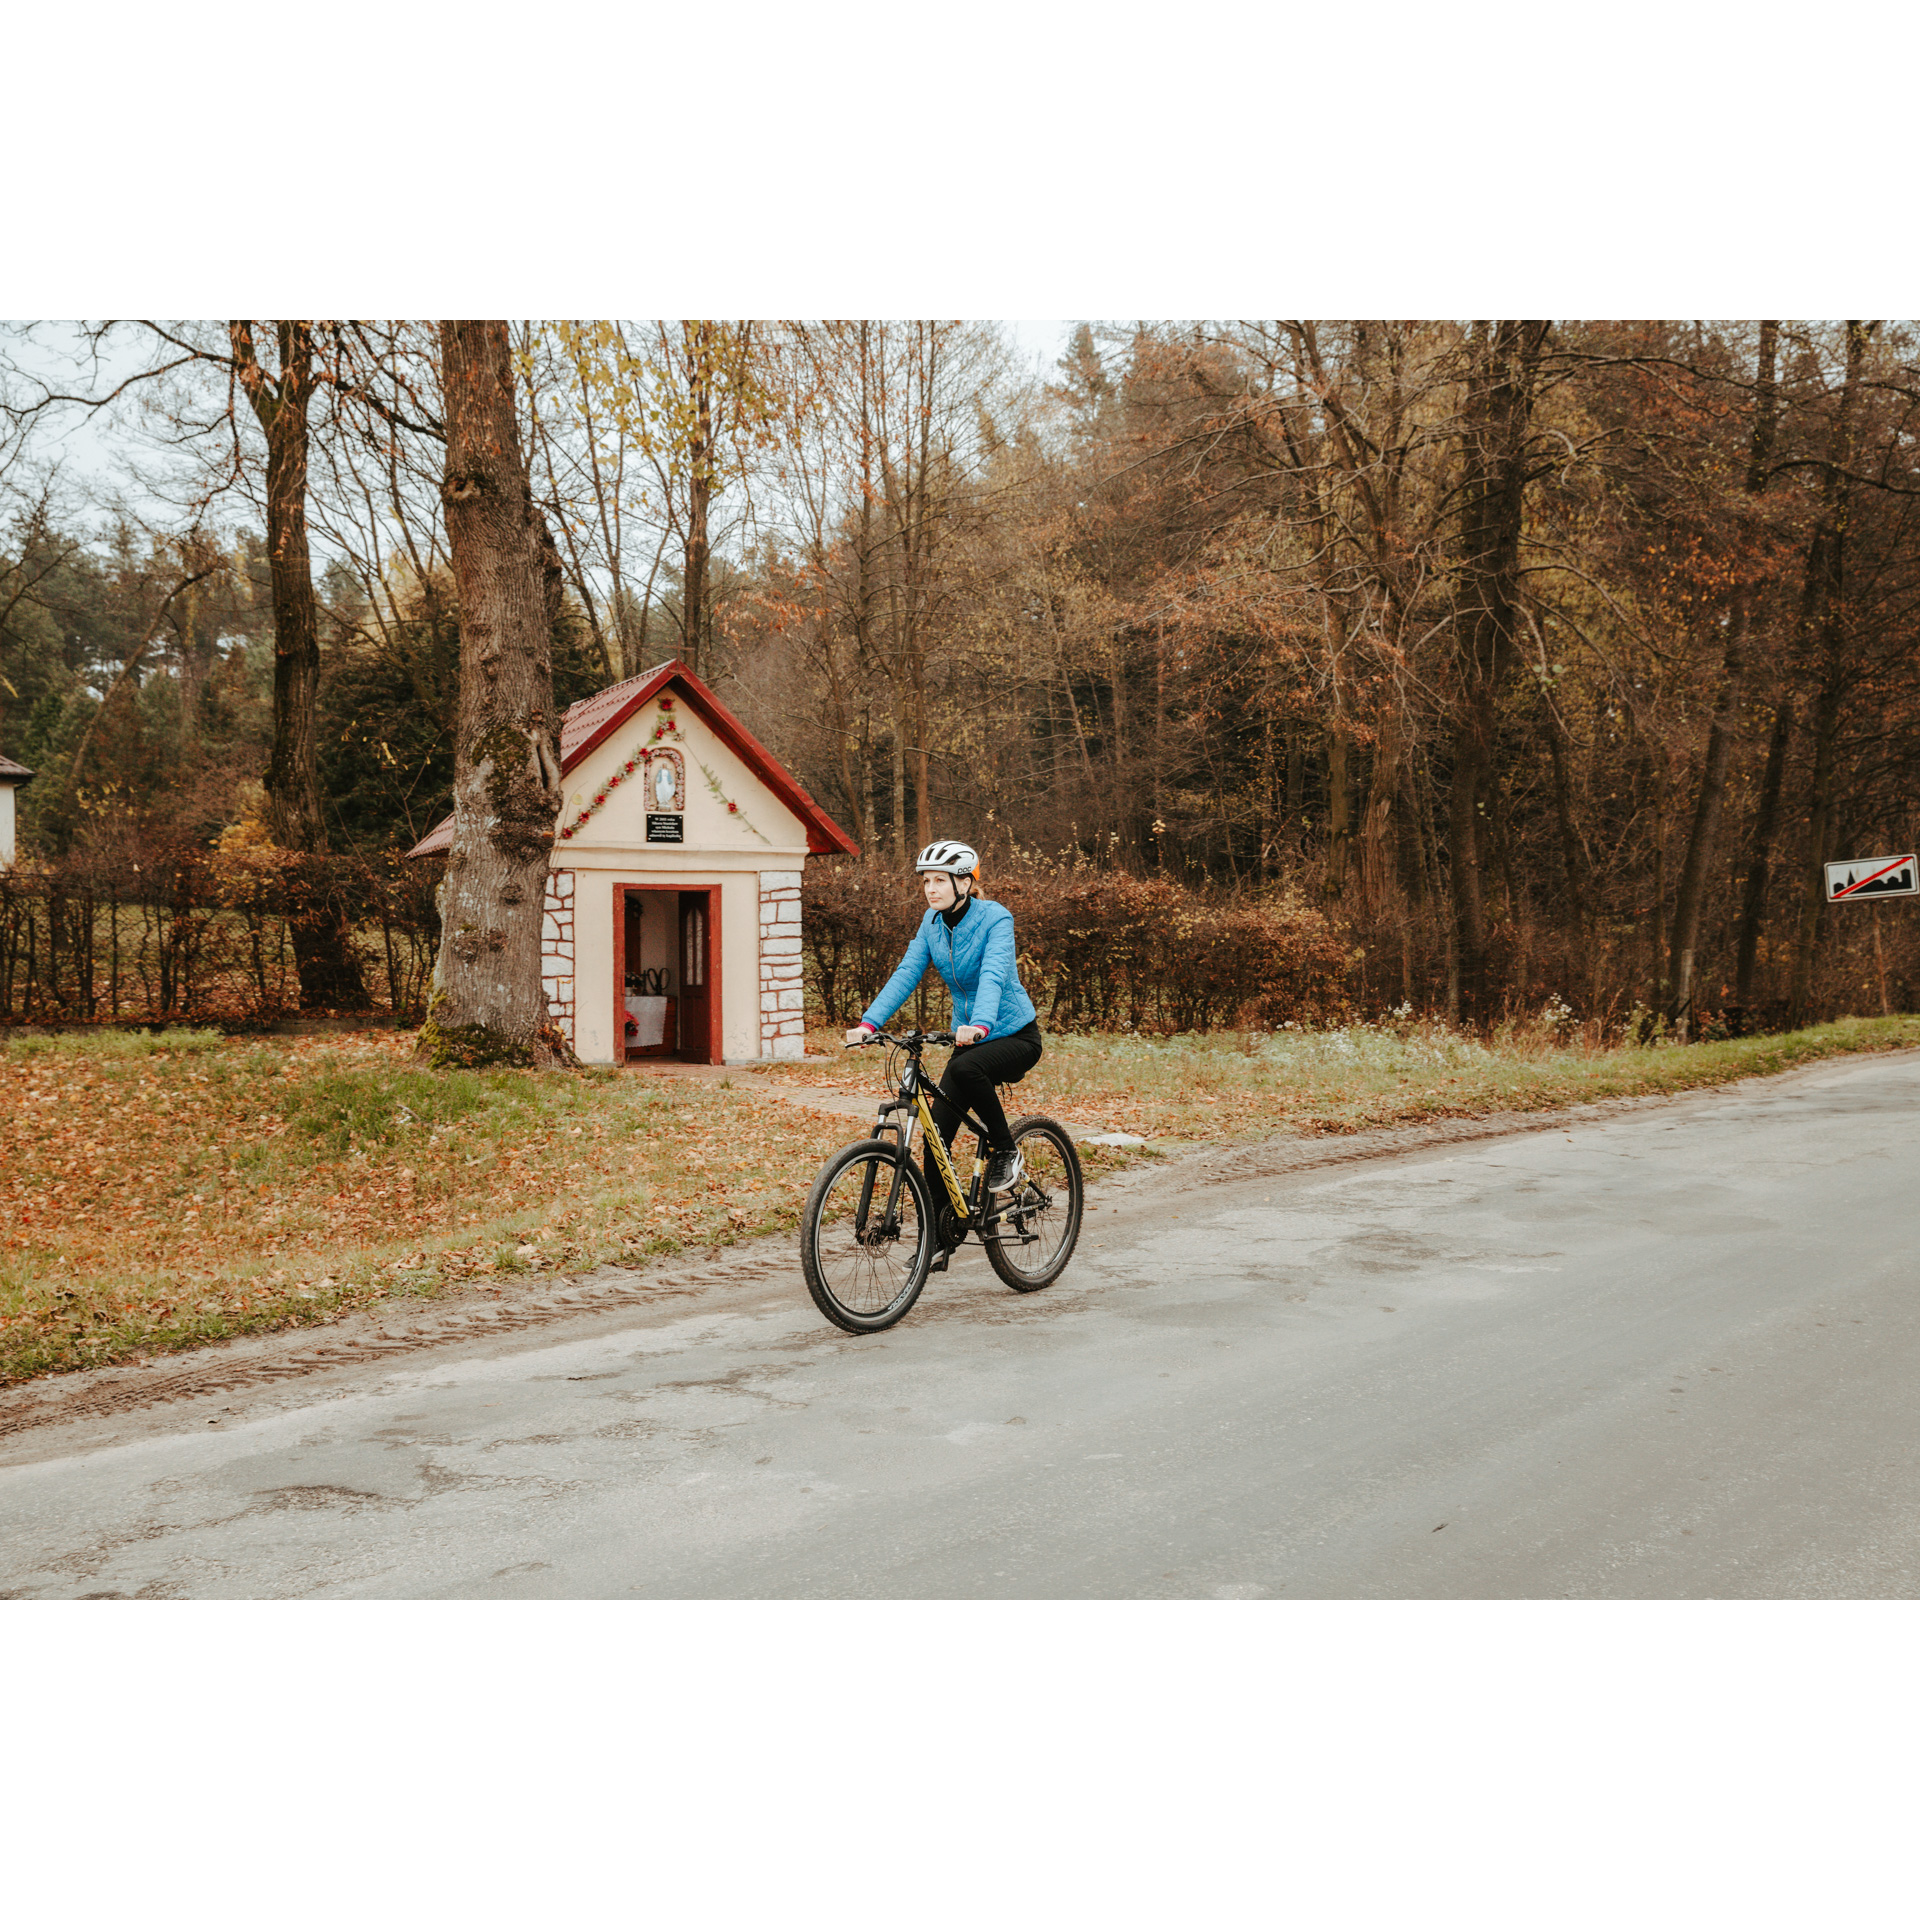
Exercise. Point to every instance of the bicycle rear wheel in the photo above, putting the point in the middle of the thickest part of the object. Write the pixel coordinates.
(866, 1237)
(1031, 1238)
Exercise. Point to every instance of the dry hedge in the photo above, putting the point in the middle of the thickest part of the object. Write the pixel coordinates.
(161, 928)
(1099, 952)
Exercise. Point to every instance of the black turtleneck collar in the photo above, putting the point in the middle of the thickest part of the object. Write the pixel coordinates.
(952, 915)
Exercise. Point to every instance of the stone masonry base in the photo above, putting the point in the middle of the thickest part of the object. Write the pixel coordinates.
(783, 1024)
(556, 949)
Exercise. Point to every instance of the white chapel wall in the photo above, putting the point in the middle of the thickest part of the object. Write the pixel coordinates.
(739, 837)
(593, 996)
(762, 826)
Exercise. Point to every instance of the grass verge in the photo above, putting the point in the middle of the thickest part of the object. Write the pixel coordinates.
(1247, 1086)
(160, 1191)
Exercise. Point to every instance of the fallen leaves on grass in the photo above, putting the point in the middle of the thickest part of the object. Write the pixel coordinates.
(162, 1191)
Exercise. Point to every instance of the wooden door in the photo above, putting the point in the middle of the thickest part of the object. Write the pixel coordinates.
(699, 975)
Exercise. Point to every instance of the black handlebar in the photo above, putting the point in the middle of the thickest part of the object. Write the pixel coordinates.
(913, 1042)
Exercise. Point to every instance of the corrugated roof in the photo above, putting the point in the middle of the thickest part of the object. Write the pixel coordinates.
(13, 772)
(586, 717)
(590, 721)
(438, 841)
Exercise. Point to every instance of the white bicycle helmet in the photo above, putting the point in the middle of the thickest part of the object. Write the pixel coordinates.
(951, 857)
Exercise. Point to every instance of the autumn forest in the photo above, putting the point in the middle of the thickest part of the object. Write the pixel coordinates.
(1490, 667)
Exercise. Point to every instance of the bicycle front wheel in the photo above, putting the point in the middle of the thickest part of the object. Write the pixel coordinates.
(866, 1237)
(1031, 1236)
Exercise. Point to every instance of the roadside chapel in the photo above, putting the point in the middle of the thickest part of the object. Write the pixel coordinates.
(672, 925)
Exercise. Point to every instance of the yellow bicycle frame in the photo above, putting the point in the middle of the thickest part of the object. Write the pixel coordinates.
(938, 1148)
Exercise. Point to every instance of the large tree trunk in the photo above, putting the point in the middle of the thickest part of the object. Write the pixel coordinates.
(1713, 775)
(1656, 909)
(292, 781)
(1821, 800)
(903, 848)
(491, 1006)
(1499, 410)
(1333, 880)
(1417, 873)
(316, 918)
(1377, 850)
(1822, 625)
(1706, 825)
(922, 781)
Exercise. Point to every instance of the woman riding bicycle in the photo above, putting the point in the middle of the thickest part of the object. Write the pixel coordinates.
(996, 1035)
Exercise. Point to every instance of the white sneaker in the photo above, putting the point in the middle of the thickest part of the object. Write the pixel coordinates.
(1004, 1169)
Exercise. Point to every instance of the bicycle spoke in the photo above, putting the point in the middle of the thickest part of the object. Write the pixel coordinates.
(867, 1268)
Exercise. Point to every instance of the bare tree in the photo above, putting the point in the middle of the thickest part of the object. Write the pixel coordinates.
(590, 466)
(1505, 361)
(490, 1006)
(1690, 902)
(1823, 617)
(198, 386)
(687, 401)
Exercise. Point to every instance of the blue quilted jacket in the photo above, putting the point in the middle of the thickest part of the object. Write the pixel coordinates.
(976, 961)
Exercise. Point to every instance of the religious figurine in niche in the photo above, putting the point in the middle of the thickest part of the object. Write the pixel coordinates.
(666, 782)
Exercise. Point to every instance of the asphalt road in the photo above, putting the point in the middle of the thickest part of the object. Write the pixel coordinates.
(1670, 1354)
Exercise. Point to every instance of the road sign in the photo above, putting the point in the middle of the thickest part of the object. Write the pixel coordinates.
(1890, 876)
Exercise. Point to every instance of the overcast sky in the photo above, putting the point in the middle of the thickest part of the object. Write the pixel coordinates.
(93, 447)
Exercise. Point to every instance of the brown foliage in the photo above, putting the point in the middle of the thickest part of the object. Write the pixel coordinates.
(1099, 951)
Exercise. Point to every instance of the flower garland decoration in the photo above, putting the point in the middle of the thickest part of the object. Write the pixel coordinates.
(732, 806)
(620, 775)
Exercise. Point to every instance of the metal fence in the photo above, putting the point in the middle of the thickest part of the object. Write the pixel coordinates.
(187, 934)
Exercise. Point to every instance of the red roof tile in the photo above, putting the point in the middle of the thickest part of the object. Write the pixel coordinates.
(587, 723)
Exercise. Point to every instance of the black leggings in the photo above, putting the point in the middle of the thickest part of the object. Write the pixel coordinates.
(967, 1086)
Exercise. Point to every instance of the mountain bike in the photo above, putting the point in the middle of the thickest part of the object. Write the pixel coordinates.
(870, 1231)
